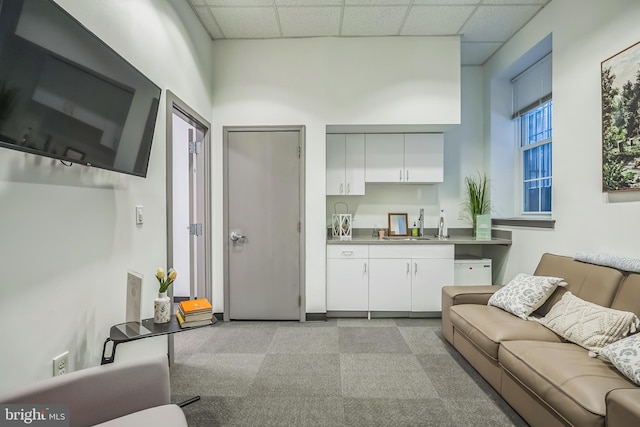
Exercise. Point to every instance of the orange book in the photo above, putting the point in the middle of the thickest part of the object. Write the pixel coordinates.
(200, 305)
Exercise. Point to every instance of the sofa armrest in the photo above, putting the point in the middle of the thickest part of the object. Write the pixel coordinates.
(454, 295)
(623, 407)
(102, 393)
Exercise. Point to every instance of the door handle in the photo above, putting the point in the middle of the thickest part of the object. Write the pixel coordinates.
(407, 175)
(341, 188)
(348, 188)
(236, 236)
(415, 268)
(408, 268)
(400, 174)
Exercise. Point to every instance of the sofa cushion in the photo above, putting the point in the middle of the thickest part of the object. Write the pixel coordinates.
(589, 325)
(165, 415)
(524, 294)
(625, 356)
(488, 326)
(628, 296)
(562, 375)
(593, 283)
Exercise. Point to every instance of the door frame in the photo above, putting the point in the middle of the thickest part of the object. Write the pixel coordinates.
(225, 207)
(173, 101)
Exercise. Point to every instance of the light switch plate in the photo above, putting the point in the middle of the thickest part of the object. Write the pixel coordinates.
(139, 217)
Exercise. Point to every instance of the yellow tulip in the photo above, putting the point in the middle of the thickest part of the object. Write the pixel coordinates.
(173, 274)
(160, 273)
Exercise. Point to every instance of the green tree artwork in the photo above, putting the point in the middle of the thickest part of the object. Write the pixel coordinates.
(620, 77)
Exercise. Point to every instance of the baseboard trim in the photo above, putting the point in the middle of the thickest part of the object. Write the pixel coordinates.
(316, 317)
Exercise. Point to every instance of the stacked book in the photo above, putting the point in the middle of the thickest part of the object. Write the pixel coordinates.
(195, 312)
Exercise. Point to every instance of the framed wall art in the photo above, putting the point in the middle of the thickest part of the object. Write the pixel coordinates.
(620, 82)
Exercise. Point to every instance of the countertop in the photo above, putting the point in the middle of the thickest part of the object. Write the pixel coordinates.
(499, 237)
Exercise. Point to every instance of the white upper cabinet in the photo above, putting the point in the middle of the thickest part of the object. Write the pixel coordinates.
(406, 158)
(345, 164)
(384, 159)
(424, 157)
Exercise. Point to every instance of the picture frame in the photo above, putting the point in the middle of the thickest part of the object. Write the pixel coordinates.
(620, 90)
(398, 224)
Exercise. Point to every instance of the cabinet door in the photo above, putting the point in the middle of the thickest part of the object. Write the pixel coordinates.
(428, 278)
(424, 157)
(347, 285)
(335, 164)
(354, 164)
(384, 157)
(390, 284)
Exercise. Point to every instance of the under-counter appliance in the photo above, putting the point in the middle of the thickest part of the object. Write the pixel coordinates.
(469, 270)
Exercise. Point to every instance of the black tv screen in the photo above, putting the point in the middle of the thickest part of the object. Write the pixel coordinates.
(65, 94)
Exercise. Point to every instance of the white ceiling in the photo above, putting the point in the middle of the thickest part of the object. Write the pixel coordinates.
(484, 25)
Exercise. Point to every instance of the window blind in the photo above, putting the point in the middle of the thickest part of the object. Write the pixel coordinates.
(532, 87)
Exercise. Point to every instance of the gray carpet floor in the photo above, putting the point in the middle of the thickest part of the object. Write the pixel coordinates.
(342, 372)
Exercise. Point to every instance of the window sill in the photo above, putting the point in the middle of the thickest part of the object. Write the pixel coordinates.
(525, 222)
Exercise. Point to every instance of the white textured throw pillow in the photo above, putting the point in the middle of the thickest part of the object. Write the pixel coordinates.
(525, 293)
(624, 354)
(587, 324)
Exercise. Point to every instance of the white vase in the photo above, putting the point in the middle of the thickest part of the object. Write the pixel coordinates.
(162, 308)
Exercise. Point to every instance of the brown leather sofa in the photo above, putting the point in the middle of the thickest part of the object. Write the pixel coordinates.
(548, 381)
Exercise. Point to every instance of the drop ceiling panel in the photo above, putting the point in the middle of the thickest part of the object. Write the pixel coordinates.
(445, 2)
(486, 23)
(376, 2)
(309, 2)
(310, 21)
(206, 17)
(497, 23)
(247, 22)
(373, 21)
(434, 21)
(237, 3)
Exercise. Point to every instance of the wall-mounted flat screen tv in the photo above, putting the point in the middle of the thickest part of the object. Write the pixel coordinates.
(65, 94)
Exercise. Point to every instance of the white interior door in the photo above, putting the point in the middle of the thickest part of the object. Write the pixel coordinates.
(263, 225)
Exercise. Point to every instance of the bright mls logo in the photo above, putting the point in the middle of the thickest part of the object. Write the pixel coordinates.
(34, 415)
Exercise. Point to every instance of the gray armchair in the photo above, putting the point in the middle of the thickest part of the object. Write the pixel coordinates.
(115, 395)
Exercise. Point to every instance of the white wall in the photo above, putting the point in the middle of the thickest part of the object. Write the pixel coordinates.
(327, 81)
(463, 156)
(68, 235)
(586, 219)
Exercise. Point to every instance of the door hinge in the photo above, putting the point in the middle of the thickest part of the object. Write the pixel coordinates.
(195, 147)
(299, 151)
(195, 229)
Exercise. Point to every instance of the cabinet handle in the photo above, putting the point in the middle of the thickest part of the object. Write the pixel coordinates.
(365, 268)
(407, 175)
(348, 188)
(400, 174)
(341, 188)
(415, 268)
(347, 253)
(408, 268)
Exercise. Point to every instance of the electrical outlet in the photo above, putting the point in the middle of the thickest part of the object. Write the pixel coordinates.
(61, 364)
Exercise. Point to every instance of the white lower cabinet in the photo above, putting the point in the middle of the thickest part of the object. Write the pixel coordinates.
(390, 284)
(429, 276)
(392, 278)
(347, 278)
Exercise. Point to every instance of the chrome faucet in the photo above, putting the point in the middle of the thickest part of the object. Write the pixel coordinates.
(421, 223)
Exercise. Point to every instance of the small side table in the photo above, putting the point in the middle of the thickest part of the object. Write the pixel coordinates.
(132, 331)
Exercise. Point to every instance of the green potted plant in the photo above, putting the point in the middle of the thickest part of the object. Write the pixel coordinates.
(478, 202)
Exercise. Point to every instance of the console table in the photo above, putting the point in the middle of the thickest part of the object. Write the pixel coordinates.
(132, 331)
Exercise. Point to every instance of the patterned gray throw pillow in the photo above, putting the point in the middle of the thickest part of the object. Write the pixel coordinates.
(625, 356)
(525, 293)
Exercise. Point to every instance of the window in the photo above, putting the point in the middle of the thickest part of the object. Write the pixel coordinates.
(533, 124)
(534, 129)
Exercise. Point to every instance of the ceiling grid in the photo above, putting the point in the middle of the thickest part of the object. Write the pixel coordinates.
(482, 25)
